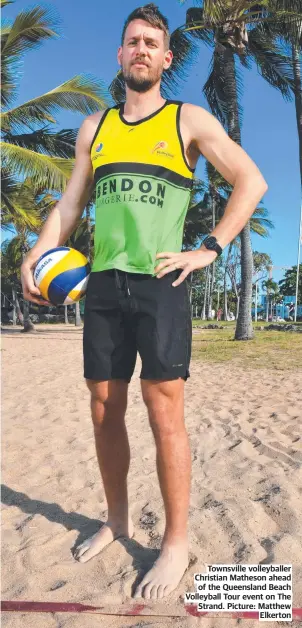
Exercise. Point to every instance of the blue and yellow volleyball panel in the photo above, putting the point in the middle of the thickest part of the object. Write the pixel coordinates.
(62, 275)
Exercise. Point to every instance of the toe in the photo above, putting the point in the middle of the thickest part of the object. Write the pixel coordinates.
(160, 592)
(147, 590)
(167, 590)
(138, 591)
(80, 550)
(154, 592)
(90, 553)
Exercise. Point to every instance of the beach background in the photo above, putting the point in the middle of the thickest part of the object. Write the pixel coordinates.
(244, 423)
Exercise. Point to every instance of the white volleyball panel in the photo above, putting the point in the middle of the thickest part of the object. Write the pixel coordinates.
(47, 263)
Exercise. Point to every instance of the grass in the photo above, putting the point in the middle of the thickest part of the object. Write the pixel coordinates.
(277, 350)
(197, 322)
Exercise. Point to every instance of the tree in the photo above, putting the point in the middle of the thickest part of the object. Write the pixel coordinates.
(34, 207)
(272, 291)
(30, 145)
(236, 30)
(207, 206)
(290, 32)
(288, 284)
(33, 151)
(261, 263)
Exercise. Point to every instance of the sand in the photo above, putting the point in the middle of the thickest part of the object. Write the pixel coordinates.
(245, 435)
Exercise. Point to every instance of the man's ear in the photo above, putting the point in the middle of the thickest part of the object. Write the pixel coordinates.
(168, 59)
(120, 55)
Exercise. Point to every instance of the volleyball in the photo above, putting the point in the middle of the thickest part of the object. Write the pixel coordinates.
(62, 274)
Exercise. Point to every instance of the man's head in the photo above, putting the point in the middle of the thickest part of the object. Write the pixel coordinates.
(144, 53)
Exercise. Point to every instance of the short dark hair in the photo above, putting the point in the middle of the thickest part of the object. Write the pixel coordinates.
(149, 13)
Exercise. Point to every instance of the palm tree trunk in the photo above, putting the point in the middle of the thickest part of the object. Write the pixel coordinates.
(66, 314)
(17, 309)
(298, 96)
(28, 326)
(244, 327)
(14, 306)
(225, 301)
(211, 291)
(203, 315)
(78, 320)
(191, 286)
(213, 194)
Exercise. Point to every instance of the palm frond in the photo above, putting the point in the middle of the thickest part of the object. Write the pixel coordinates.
(197, 26)
(285, 21)
(82, 93)
(184, 56)
(3, 3)
(273, 65)
(44, 141)
(260, 223)
(216, 12)
(50, 173)
(29, 29)
(216, 88)
(117, 88)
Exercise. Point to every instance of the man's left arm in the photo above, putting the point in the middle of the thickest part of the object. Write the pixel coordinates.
(209, 138)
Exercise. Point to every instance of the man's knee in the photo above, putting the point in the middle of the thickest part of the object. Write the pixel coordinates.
(108, 400)
(165, 404)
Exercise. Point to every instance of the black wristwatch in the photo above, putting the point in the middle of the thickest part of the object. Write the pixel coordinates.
(210, 242)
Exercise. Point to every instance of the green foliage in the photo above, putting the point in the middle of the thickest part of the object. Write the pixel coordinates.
(246, 31)
(31, 146)
(261, 261)
(288, 284)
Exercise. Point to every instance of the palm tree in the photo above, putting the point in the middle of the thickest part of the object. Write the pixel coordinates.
(34, 206)
(236, 32)
(208, 204)
(31, 146)
(272, 291)
(290, 33)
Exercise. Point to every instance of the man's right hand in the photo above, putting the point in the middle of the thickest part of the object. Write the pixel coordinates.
(30, 291)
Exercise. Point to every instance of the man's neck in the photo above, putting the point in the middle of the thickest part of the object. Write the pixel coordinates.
(140, 105)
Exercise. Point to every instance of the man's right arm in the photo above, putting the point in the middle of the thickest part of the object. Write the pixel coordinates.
(64, 218)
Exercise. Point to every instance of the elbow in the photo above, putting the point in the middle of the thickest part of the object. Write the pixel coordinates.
(264, 186)
(257, 184)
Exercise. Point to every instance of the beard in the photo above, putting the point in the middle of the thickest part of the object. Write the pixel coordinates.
(138, 83)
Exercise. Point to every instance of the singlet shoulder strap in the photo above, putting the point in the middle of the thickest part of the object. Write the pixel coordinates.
(101, 122)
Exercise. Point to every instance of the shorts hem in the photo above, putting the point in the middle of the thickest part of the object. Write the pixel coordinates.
(165, 376)
(100, 378)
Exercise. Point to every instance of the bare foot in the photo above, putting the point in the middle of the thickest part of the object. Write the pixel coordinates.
(95, 544)
(166, 572)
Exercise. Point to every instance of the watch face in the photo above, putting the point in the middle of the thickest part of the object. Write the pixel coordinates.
(211, 243)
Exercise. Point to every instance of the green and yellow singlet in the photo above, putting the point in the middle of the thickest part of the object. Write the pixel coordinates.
(143, 185)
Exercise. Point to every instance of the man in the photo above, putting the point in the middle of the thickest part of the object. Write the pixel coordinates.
(141, 156)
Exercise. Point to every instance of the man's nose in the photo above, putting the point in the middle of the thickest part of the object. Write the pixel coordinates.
(141, 48)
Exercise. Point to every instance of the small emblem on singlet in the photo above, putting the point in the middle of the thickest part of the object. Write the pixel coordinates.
(98, 148)
(160, 145)
(161, 149)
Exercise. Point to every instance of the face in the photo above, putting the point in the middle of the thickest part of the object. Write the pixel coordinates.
(143, 56)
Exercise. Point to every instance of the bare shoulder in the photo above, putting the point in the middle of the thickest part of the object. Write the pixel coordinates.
(88, 128)
(198, 119)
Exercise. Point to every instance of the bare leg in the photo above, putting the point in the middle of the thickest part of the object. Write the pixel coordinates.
(108, 407)
(165, 403)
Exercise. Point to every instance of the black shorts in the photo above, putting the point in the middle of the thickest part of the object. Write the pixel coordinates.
(126, 313)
